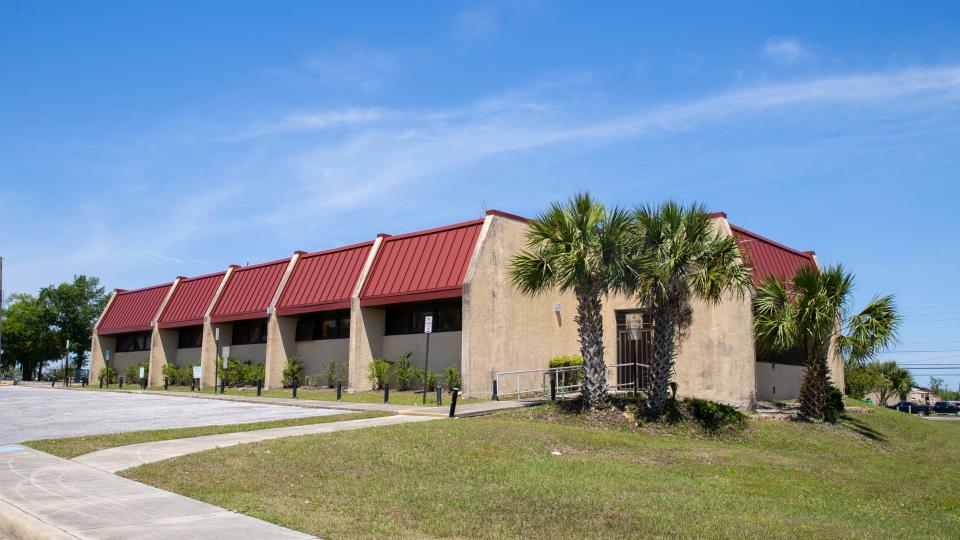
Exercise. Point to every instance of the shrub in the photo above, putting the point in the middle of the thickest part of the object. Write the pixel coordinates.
(859, 381)
(452, 376)
(172, 373)
(572, 376)
(835, 407)
(379, 373)
(330, 373)
(292, 371)
(253, 372)
(715, 416)
(131, 373)
(406, 372)
(432, 379)
(109, 375)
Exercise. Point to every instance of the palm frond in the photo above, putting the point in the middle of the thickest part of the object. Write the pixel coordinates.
(871, 331)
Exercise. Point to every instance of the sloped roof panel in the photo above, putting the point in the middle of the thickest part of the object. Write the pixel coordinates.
(249, 291)
(423, 265)
(323, 280)
(190, 301)
(768, 258)
(133, 311)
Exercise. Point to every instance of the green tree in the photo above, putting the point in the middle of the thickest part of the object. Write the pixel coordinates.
(811, 313)
(937, 385)
(891, 380)
(583, 247)
(679, 258)
(28, 335)
(859, 380)
(74, 307)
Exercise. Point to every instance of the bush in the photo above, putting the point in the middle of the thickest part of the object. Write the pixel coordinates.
(835, 406)
(406, 372)
(131, 373)
(432, 379)
(859, 381)
(331, 370)
(109, 375)
(452, 376)
(379, 373)
(172, 373)
(292, 371)
(715, 416)
(570, 377)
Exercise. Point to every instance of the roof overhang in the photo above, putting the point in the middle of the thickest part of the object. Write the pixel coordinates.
(420, 296)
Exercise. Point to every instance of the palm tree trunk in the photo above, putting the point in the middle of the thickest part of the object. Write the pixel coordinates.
(590, 327)
(813, 392)
(662, 359)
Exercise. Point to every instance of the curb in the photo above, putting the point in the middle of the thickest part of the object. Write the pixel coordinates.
(19, 525)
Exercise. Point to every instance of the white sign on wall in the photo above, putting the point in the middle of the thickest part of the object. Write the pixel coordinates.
(196, 372)
(428, 324)
(226, 354)
(633, 325)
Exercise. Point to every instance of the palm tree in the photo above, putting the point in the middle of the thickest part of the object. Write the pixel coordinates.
(680, 259)
(891, 380)
(579, 246)
(811, 313)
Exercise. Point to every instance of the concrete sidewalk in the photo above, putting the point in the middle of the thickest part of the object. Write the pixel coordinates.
(463, 410)
(125, 457)
(43, 496)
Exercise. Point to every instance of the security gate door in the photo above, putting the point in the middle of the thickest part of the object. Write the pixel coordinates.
(633, 354)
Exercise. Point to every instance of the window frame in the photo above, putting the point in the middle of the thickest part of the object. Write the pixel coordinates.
(415, 313)
(341, 324)
(248, 326)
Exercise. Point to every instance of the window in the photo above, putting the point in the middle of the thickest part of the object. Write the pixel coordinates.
(329, 325)
(409, 318)
(250, 332)
(133, 342)
(190, 337)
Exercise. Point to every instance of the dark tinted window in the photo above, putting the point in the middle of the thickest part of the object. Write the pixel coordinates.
(409, 318)
(329, 325)
(249, 332)
(133, 342)
(190, 337)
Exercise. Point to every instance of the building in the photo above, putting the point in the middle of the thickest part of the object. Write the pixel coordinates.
(353, 304)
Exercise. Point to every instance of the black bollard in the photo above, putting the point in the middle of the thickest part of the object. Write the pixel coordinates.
(339, 389)
(193, 384)
(496, 397)
(223, 384)
(53, 383)
(259, 387)
(553, 389)
(439, 396)
(101, 382)
(293, 386)
(121, 382)
(386, 393)
(166, 383)
(453, 402)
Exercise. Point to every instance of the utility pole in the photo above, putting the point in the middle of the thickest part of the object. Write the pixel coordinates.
(1, 303)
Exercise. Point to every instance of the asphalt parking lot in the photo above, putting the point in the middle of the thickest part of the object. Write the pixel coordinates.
(29, 413)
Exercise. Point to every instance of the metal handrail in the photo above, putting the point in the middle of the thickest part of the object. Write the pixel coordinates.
(565, 383)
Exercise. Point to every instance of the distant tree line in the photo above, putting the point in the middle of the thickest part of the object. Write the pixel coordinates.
(37, 327)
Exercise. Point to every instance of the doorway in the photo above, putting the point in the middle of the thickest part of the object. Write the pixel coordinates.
(633, 354)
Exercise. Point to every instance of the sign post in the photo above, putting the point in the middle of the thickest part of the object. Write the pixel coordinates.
(634, 321)
(427, 329)
(66, 362)
(106, 363)
(216, 339)
(143, 383)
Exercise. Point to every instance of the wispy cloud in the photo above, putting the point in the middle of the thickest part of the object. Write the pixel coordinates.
(786, 50)
(350, 66)
(477, 22)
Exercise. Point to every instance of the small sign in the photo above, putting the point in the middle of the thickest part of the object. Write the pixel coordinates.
(226, 354)
(633, 325)
(196, 372)
(106, 355)
(216, 334)
(428, 324)
(141, 372)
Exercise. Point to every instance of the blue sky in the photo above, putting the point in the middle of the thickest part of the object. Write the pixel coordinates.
(139, 142)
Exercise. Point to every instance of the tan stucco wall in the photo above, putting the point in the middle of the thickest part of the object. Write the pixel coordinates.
(163, 350)
(121, 360)
(315, 354)
(208, 351)
(185, 357)
(255, 353)
(99, 344)
(444, 349)
(366, 343)
(778, 381)
(281, 343)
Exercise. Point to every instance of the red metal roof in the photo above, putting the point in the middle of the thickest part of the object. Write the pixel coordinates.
(190, 301)
(769, 258)
(249, 291)
(425, 265)
(323, 280)
(133, 311)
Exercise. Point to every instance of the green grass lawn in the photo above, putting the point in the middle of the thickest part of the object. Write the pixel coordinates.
(77, 446)
(883, 474)
(323, 394)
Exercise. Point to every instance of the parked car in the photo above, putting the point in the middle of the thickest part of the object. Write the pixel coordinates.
(911, 407)
(946, 407)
